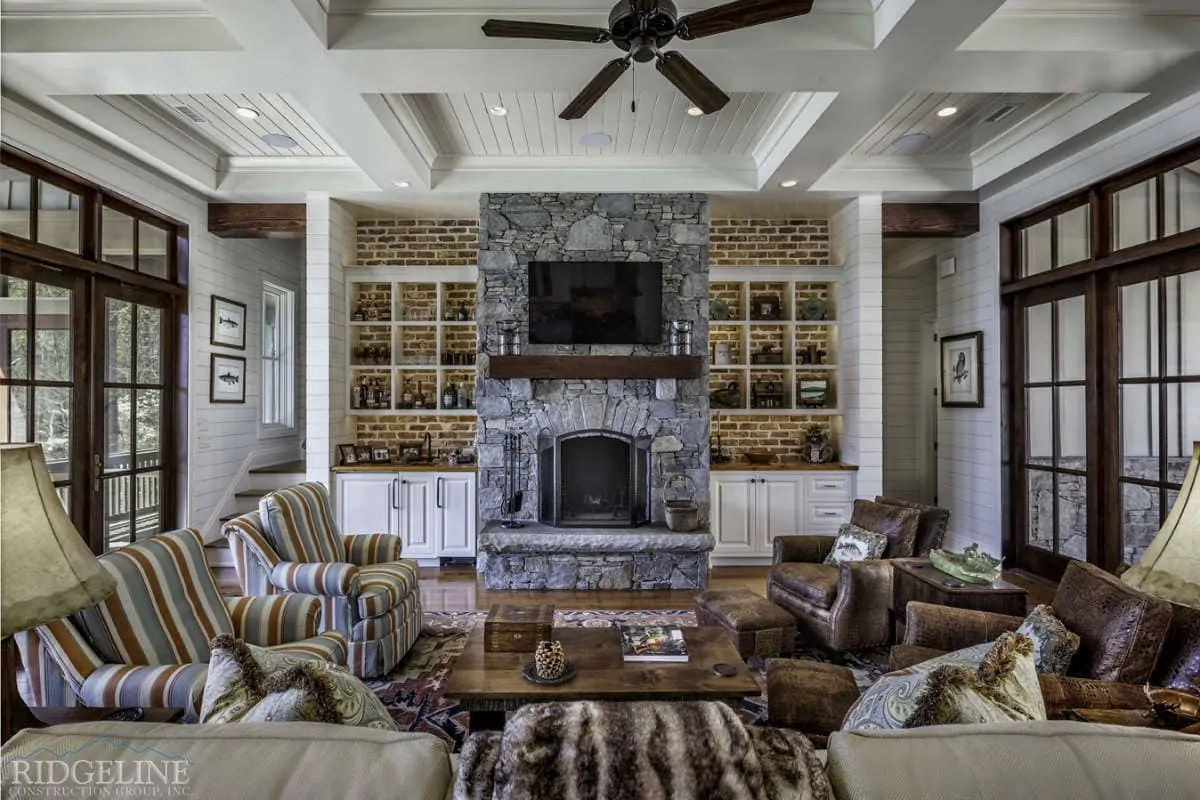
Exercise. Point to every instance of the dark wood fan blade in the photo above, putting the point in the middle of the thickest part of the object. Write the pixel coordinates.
(694, 84)
(595, 89)
(515, 29)
(740, 14)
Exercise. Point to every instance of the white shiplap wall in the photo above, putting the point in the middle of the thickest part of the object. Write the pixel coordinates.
(856, 239)
(970, 440)
(330, 249)
(223, 440)
(908, 298)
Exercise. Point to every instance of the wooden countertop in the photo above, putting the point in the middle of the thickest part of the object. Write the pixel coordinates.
(741, 465)
(435, 467)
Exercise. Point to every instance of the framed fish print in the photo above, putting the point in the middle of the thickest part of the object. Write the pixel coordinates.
(227, 379)
(228, 323)
(962, 370)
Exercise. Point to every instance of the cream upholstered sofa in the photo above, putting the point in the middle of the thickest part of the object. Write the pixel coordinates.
(1046, 760)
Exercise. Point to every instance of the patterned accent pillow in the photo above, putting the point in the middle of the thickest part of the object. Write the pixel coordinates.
(856, 544)
(1004, 689)
(246, 683)
(887, 703)
(1053, 645)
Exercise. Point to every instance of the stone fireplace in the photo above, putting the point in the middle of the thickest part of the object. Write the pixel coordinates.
(595, 454)
(594, 479)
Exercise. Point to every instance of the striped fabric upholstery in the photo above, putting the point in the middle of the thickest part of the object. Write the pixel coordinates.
(253, 555)
(166, 608)
(172, 686)
(66, 645)
(299, 523)
(274, 619)
(375, 657)
(384, 585)
(324, 578)
(365, 549)
(46, 682)
(331, 647)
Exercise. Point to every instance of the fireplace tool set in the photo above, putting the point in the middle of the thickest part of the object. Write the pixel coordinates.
(513, 491)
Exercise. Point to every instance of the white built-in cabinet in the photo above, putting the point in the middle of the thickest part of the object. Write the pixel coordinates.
(750, 508)
(433, 512)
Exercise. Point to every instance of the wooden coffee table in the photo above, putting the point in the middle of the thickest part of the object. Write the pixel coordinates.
(487, 685)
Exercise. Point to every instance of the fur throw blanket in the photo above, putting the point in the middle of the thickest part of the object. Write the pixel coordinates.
(637, 751)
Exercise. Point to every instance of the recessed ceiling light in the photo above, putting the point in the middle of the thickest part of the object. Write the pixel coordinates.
(245, 112)
(280, 140)
(497, 111)
(595, 140)
(788, 184)
(401, 184)
(695, 111)
(948, 111)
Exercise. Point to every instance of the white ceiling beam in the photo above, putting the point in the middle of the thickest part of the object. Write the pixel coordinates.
(1093, 32)
(100, 34)
(929, 30)
(278, 33)
(1039, 71)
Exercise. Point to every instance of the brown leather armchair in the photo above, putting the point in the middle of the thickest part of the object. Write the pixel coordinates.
(846, 606)
(1128, 638)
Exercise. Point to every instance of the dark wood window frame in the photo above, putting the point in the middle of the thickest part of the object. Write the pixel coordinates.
(1098, 279)
(91, 273)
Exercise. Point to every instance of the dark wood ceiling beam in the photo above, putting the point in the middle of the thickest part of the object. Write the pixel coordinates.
(930, 220)
(257, 220)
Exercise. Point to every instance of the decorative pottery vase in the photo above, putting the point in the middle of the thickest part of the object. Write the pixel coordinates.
(549, 661)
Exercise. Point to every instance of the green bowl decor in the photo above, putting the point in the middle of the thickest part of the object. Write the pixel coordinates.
(970, 565)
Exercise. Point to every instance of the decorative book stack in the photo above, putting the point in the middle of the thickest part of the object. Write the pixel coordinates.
(653, 643)
(517, 629)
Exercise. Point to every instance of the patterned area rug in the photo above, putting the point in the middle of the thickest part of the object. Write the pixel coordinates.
(413, 692)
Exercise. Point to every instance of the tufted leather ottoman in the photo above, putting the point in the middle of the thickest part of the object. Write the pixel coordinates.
(755, 625)
(809, 696)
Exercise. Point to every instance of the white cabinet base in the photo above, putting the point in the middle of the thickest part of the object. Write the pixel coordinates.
(433, 512)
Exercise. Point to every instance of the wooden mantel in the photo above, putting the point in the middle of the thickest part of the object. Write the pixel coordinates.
(595, 367)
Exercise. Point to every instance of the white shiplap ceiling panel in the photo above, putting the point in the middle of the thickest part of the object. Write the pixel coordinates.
(231, 135)
(461, 124)
(959, 135)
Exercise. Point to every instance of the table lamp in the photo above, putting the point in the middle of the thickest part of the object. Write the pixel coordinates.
(47, 571)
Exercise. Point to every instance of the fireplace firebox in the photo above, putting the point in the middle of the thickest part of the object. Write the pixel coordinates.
(594, 479)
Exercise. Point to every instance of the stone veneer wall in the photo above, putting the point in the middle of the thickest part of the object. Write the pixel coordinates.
(518, 228)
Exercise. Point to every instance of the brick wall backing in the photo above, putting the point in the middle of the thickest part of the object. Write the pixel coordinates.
(453, 242)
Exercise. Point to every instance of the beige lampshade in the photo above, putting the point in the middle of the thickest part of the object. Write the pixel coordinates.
(1170, 567)
(46, 569)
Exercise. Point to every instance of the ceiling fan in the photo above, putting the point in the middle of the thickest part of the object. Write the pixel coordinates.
(641, 28)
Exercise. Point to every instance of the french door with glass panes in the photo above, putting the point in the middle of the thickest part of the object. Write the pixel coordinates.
(1054, 409)
(82, 372)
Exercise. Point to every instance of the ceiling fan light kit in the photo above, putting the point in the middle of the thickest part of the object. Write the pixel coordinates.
(642, 28)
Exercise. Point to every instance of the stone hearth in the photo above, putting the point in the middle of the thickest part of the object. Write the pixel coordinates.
(543, 557)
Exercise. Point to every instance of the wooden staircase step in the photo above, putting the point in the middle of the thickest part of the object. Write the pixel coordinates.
(288, 468)
(248, 494)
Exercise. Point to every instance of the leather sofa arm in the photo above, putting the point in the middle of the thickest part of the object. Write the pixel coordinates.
(947, 628)
(1062, 693)
(863, 596)
(323, 578)
(805, 548)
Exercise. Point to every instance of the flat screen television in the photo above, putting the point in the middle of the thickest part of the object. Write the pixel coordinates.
(595, 302)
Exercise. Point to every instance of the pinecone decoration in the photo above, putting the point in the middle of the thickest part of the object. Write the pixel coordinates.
(548, 660)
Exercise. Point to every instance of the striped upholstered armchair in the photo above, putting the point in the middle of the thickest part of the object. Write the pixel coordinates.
(147, 644)
(291, 544)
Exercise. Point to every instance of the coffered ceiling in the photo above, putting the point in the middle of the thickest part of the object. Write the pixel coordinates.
(376, 94)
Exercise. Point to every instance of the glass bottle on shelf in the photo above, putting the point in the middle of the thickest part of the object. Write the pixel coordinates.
(379, 398)
(464, 399)
(462, 313)
(406, 398)
(385, 312)
(449, 396)
(419, 397)
(355, 397)
(362, 392)
(372, 313)
(359, 314)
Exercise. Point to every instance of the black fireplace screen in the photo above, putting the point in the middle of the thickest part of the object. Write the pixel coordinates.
(594, 479)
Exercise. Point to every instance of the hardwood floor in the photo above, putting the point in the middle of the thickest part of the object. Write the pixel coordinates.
(459, 590)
